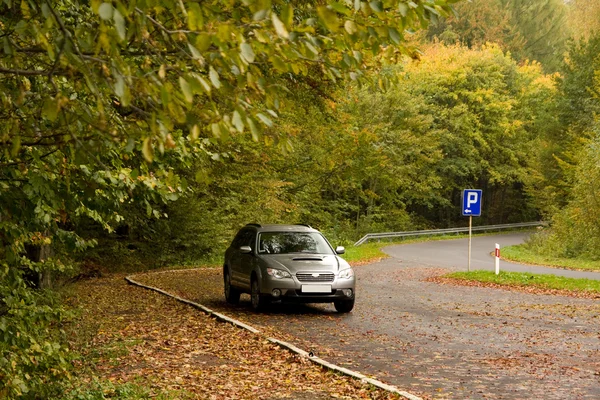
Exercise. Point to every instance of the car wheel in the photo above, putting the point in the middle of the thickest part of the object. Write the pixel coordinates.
(232, 295)
(258, 301)
(344, 306)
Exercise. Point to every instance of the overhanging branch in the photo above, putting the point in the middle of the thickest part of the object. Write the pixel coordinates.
(24, 72)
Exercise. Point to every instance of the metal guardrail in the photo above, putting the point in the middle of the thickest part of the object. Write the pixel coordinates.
(370, 236)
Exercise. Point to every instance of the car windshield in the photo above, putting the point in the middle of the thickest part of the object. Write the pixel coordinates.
(293, 242)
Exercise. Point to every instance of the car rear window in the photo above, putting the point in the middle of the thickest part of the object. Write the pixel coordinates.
(293, 242)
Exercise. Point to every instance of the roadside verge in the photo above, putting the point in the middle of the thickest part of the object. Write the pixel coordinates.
(224, 318)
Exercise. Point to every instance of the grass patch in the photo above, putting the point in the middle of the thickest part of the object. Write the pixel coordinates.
(365, 252)
(104, 389)
(523, 254)
(527, 280)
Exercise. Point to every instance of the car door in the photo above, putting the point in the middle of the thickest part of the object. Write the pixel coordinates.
(235, 256)
(248, 260)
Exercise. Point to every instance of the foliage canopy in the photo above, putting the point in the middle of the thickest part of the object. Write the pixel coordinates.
(215, 113)
(105, 102)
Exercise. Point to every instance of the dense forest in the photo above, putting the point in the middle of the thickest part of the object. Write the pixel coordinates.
(144, 133)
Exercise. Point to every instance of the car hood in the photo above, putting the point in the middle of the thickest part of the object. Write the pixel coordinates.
(306, 262)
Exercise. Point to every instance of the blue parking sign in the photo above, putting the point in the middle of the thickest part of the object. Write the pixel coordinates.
(471, 202)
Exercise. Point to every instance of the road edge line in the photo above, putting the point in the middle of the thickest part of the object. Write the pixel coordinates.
(286, 345)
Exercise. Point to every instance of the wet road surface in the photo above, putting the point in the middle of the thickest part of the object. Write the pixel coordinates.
(439, 341)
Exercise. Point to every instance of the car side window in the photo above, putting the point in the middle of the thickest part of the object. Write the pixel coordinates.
(237, 240)
(249, 239)
(245, 237)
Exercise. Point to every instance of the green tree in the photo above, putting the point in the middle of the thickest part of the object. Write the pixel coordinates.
(476, 24)
(529, 30)
(584, 18)
(460, 118)
(104, 101)
(543, 25)
(569, 163)
(575, 231)
(575, 112)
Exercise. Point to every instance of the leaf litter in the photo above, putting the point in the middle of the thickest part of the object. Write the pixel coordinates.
(444, 280)
(128, 334)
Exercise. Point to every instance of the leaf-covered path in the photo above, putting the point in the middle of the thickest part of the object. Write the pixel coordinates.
(133, 335)
(445, 341)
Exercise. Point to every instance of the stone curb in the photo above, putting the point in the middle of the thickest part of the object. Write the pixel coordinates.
(288, 346)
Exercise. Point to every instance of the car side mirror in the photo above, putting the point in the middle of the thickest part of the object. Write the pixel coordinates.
(340, 250)
(245, 249)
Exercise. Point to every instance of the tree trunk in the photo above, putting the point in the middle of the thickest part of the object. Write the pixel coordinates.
(39, 253)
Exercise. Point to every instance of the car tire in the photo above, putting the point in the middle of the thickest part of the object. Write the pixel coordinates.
(257, 300)
(232, 295)
(344, 306)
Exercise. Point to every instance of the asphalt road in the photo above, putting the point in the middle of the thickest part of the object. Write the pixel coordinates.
(454, 254)
(438, 341)
(445, 341)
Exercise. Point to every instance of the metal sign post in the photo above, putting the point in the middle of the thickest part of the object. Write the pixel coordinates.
(471, 207)
(470, 227)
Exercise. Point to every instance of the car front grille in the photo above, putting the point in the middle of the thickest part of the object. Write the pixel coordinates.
(315, 277)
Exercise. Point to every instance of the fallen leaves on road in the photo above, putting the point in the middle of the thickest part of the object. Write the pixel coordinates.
(526, 289)
(132, 335)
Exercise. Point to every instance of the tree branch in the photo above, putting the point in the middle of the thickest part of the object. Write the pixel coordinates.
(68, 35)
(24, 72)
(55, 66)
(93, 55)
(10, 164)
(161, 26)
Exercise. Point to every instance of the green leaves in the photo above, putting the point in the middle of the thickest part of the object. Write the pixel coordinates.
(529, 29)
(376, 6)
(50, 109)
(403, 9)
(104, 103)
(237, 121)
(208, 54)
(247, 52)
(31, 351)
(457, 118)
(214, 77)
(147, 149)
(264, 119)
(186, 90)
(350, 27)
(395, 35)
(106, 11)
(287, 15)
(329, 18)
(195, 17)
(119, 24)
(568, 160)
(279, 26)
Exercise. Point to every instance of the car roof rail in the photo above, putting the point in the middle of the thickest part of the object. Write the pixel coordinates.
(306, 225)
(254, 224)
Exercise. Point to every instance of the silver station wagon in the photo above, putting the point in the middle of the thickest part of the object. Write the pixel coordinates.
(289, 263)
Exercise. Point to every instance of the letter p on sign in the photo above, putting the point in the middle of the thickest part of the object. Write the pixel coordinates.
(472, 198)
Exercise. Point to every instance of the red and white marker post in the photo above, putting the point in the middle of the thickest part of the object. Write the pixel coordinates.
(497, 258)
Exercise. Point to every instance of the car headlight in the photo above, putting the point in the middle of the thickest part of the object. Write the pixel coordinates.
(277, 273)
(346, 273)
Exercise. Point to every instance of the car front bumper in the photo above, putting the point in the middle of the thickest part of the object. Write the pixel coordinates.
(290, 290)
(296, 296)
